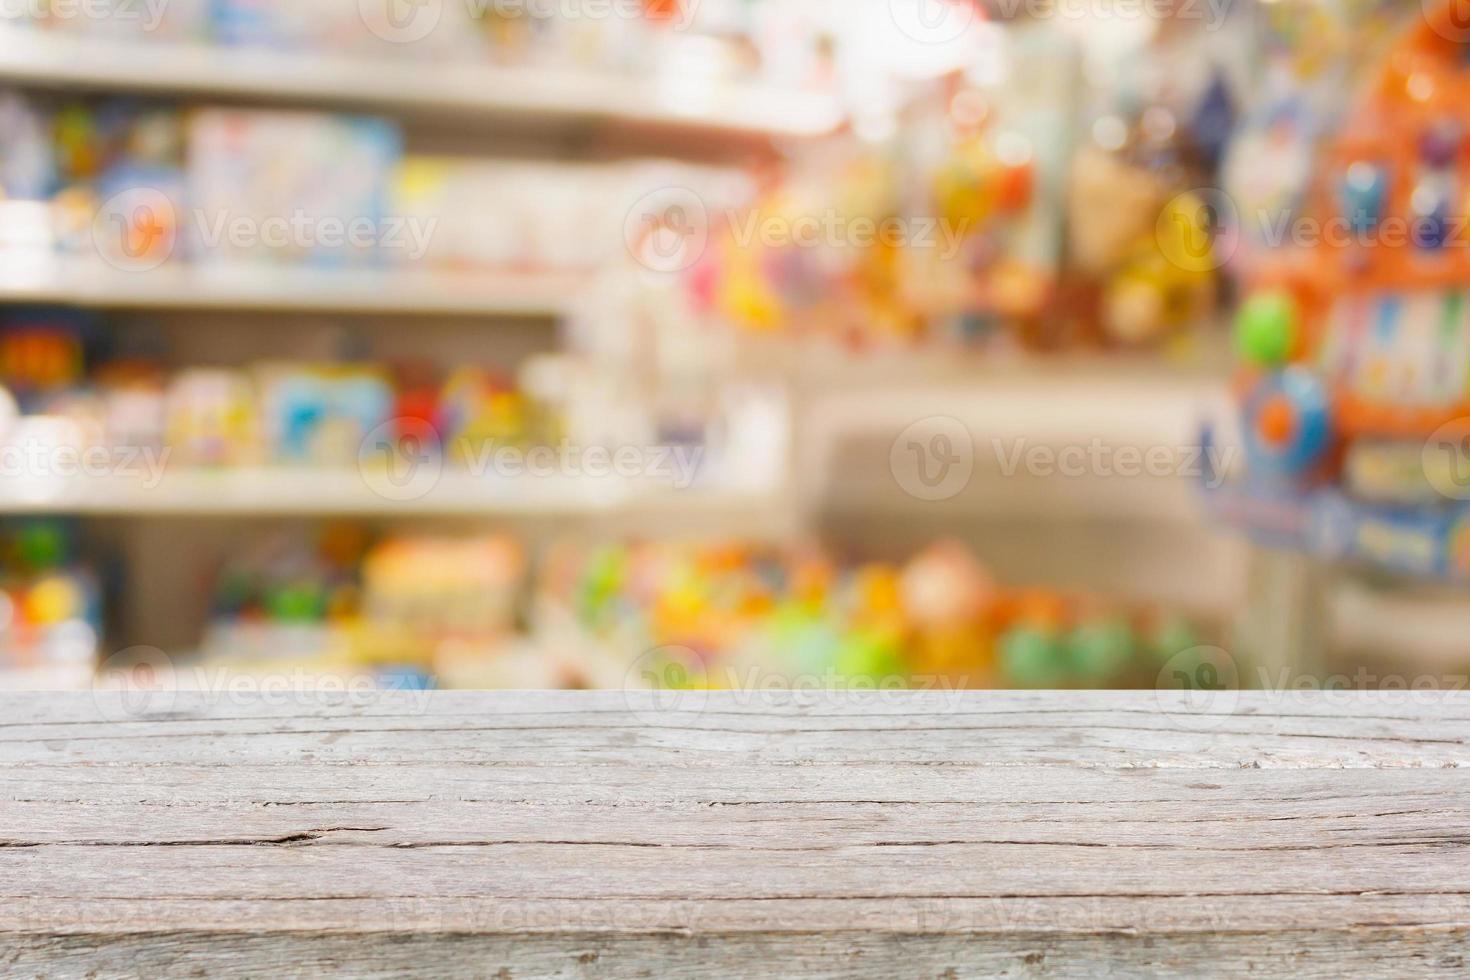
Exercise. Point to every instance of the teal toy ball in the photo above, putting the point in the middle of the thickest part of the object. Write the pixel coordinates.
(1033, 658)
(1102, 650)
(1266, 328)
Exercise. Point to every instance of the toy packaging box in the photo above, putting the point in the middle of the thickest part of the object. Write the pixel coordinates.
(284, 187)
(500, 215)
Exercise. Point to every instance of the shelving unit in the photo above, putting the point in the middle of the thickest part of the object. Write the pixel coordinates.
(461, 91)
(290, 290)
(164, 532)
(1055, 399)
(347, 493)
(77, 677)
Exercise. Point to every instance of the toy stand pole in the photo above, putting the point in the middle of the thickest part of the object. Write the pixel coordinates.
(1281, 633)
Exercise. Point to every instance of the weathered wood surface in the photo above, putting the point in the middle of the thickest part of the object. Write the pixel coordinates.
(583, 835)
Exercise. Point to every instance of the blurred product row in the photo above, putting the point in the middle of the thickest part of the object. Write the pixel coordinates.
(68, 384)
(477, 611)
(956, 210)
(141, 184)
(778, 43)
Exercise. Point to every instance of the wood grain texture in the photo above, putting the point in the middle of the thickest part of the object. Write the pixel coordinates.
(881, 834)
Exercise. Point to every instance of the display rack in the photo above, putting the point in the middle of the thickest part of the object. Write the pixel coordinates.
(461, 91)
(348, 493)
(278, 289)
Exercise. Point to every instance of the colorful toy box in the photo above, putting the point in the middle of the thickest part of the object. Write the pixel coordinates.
(289, 187)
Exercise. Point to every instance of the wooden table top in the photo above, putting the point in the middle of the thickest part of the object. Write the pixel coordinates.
(888, 835)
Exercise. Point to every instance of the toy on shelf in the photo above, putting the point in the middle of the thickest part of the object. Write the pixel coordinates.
(1312, 58)
(1356, 390)
(140, 184)
(50, 602)
(40, 355)
(397, 612)
(267, 172)
(943, 228)
(1146, 239)
(67, 385)
(730, 615)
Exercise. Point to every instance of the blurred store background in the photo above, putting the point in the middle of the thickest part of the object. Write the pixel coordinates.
(605, 343)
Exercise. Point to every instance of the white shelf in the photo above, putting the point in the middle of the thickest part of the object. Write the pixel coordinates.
(76, 677)
(346, 493)
(378, 291)
(406, 86)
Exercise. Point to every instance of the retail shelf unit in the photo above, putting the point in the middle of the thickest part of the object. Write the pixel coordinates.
(378, 292)
(166, 531)
(475, 96)
(466, 92)
(283, 492)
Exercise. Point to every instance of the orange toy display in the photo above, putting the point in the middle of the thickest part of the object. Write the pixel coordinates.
(1371, 289)
(1356, 403)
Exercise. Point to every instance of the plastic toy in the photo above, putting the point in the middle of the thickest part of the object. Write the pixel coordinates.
(1140, 233)
(756, 615)
(479, 413)
(40, 354)
(212, 418)
(50, 603)
(1357, 340)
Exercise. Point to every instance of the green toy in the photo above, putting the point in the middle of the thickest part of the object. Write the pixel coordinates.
(1101, 650)
(1266, 329)
(1034, 658)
